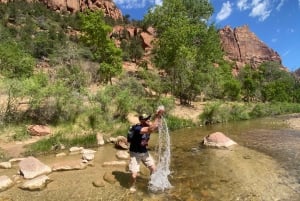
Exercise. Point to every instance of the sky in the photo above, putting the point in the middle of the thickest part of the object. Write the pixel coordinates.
(274, 22)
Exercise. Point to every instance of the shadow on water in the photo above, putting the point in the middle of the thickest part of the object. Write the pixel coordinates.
(264, 166)
(123, 178)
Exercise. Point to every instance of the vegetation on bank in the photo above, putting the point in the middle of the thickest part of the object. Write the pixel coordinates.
(50, 62)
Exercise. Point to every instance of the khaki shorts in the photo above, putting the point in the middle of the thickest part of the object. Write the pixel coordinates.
(136, 158)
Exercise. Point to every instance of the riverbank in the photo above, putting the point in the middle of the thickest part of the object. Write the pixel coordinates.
(294, 121)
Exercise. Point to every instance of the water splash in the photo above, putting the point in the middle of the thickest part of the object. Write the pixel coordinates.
(159, 179)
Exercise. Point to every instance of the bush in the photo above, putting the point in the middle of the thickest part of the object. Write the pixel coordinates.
(175, 123)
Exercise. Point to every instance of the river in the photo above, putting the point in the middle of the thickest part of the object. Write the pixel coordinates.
(264, 166)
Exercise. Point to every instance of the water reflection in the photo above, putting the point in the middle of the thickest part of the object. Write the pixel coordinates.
(264, 166)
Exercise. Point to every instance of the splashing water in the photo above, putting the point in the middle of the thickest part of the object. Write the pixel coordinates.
(159, 179)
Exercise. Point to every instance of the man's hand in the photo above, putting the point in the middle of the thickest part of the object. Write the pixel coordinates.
(160, 111)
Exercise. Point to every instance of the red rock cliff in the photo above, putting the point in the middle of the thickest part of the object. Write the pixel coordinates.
(243, 47)
(108, 6)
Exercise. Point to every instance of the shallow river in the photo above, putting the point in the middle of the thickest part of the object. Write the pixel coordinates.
(265, 166)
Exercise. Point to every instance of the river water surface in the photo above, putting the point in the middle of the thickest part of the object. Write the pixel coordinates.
(264, 166)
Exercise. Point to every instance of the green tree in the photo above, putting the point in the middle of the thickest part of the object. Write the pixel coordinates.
(14, 62)
(277, 84)
(187, 46)
(95, 34)
(250, 80)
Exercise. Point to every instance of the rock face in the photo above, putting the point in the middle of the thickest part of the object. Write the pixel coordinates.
(243, 47)
(107, 6)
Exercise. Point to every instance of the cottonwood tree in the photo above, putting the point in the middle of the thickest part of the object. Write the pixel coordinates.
(95, 34)
(187, 47)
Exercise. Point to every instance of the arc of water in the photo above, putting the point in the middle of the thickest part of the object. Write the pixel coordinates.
(159, 179)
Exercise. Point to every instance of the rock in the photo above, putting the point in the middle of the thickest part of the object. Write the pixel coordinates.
(243, 47)
(13, 160)
(88, 156)
(38, 130)
(5, 165)
(109, 177)
(99, 183)
(121, 143)
(218, 140)
(122, 154)
(100, 139)
(112, 140)
(108, 7)
(114, 163)
(88, 151)
(37, 183)
(61, 154)
(75, 150)
(31, 167)
(5, 183)
(69, 165)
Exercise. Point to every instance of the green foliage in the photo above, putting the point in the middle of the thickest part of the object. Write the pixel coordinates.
(55, 141)
(232, 90)
(14, 62)
(277, 84)
(21, 134)
(73, 77)
(45, 102)
(132, 48)
(175, 123)
(96, 37)
(209, 113)
(187, 47)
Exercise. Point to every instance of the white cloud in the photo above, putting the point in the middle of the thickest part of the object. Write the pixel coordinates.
(274, 40)
(128, 4)
(225, 11)
(243, 4)
(299, 2)
(280, 4)
(260, 9)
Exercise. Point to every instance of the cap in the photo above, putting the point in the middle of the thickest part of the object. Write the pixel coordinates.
(144, 117)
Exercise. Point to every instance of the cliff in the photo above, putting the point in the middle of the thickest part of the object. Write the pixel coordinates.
(242, 46)
(107, 6)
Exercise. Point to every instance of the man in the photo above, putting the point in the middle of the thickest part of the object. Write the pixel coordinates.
(138, 145)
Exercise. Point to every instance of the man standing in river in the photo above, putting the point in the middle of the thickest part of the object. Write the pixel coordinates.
(139, 142)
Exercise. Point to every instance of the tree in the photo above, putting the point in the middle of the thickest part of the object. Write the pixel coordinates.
(249, 79)
(14, 62)
(95, 34)
(187, 46)
(277, 84)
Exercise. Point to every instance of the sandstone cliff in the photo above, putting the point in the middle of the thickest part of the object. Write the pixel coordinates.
(243, 47)
(107, 6)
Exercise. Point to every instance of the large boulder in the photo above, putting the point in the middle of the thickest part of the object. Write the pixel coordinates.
(31, 167)
(217, 140)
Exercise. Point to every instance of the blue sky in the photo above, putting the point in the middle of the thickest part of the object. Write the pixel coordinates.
(275, 22)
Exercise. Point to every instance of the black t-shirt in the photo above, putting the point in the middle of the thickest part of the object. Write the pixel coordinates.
(139, 142)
